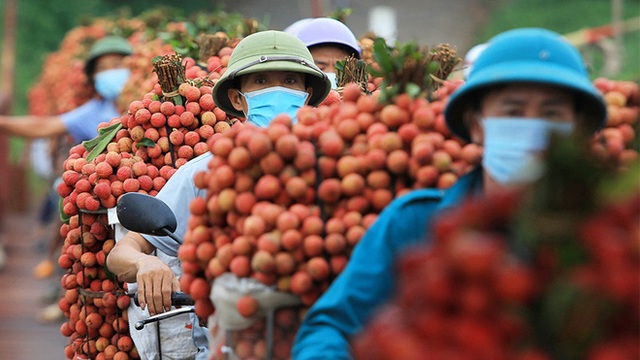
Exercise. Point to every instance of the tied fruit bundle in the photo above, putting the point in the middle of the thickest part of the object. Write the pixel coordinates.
(140, 150)
(94, 303)
(287, 203)
(136, 152)
(550, 272)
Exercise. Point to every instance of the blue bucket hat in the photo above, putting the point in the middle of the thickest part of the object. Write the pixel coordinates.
(528, 55)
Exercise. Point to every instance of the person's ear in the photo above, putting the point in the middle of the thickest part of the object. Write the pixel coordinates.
(237, 100)
(310, 91)
(472, 120)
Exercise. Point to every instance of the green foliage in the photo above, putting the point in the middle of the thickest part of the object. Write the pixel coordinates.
(573, 319)
(566, 17)
(145, 142)
(341, 14)
(41, 26)
(411, 69)
(97, 145)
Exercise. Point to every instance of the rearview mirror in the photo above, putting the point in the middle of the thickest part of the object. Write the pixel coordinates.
(146, 215)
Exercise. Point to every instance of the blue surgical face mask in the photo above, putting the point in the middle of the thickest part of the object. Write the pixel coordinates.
(263, 105)
(512, 147)
(109, 83)
(333, 77)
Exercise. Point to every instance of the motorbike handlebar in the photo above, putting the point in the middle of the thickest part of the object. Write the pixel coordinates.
(177, 299)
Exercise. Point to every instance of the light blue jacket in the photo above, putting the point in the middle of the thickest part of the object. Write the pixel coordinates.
(82, 122)
(368, 280)
(178, 193)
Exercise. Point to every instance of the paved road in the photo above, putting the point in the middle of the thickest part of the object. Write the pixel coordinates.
(22, 336)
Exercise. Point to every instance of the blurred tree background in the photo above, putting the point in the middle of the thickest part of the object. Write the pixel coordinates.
(41, 26)
(569, 18)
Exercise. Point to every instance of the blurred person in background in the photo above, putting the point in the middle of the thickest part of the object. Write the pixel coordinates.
(107, 74)
(470, 58)
(328, 40)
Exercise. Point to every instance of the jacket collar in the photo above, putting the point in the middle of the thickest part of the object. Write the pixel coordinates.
(469, 184)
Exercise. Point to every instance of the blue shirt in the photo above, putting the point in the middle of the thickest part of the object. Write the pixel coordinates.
(82, 122)
(177, 193)
(368, 281)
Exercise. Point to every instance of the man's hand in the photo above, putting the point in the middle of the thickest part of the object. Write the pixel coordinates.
(156, 282)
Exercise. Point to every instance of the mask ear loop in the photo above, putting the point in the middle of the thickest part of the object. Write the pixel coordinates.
(245, 99)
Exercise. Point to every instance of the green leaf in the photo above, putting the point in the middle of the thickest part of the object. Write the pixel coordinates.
(178, 100)
(165, 36)
(571, 318)
(156, 59)
(98, 144)
(110, 128)
(339, 66)
(191, 29)
(145, 142)
(63, 217)
(621, 185)
(433, 66)
(92, 143)
(413, 90)
(181, 50)
(382, 55)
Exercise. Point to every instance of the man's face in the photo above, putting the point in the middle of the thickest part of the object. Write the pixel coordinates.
(266, 79)
(524, 101)
(325, 57)
(109, 62)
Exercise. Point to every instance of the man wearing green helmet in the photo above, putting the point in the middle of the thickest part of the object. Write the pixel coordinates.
(269, 73)
(527, 84)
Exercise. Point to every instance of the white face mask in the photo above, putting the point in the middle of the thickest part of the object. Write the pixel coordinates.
(333, 77)
(512, 147)
(263, 105)
(109, 83)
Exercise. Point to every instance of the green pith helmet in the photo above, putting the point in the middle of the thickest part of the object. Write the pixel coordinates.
(106, 45)
(270, 51)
